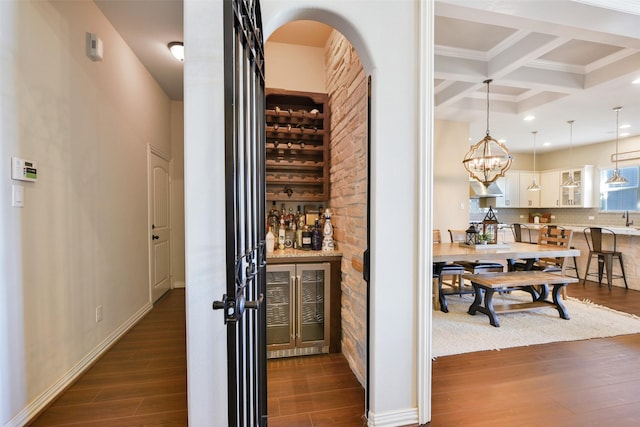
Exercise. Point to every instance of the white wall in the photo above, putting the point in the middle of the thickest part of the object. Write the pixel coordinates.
(594, 154)
(81, 239)
(393, 64)
(177, 194)
(450, 178)
(295, 67)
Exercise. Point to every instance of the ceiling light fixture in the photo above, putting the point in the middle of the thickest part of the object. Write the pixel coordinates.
(534, 185)
(529, 118)
(481, 164)
(616, 178)
(570, 182)
(177, 50)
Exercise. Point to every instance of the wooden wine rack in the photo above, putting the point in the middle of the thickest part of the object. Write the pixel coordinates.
(297, 146)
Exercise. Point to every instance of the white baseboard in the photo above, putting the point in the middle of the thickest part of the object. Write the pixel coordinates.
(405, 417)
(42, 401)
(179, 284)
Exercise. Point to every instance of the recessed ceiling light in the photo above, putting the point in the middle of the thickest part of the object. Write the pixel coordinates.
(546, 144)
(529, 118)
(636, 81)
(623, 134)
(625, 126)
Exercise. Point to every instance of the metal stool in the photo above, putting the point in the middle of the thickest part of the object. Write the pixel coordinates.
(593, 236)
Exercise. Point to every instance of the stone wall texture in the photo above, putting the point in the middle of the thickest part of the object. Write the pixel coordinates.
(347, 89)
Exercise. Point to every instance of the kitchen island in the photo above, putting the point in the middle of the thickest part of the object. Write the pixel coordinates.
(628, 243)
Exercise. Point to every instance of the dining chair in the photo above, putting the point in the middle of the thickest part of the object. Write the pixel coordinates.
(595, 237)
(478, 266)
(455, 284)
(550, 235)
(553, 236)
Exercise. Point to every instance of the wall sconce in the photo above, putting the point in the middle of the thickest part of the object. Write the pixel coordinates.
(177, 50)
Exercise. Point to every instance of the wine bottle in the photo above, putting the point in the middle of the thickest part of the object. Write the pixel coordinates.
(316, 237)
(306, 239)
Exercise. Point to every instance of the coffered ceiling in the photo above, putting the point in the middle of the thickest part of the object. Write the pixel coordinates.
(554, 60)
(557, 60)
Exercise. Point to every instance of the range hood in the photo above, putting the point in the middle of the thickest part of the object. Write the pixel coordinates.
(478, 190)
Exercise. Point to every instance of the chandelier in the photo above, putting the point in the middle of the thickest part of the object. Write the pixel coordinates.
(489, 159)
(617, 179)
(534, 185)
(570, 182)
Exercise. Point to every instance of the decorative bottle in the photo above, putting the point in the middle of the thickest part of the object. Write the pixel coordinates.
(316, 237)
(327, 238)
(270, 241)
(281, 234)
(306, 239)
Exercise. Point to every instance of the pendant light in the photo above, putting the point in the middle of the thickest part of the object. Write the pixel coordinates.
(617, 179)
(489, 159)
(569, 182)
(534, 185)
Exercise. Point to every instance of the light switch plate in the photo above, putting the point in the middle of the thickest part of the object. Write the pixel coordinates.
(17, 196)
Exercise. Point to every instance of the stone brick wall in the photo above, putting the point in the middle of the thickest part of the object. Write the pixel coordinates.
(347, 89)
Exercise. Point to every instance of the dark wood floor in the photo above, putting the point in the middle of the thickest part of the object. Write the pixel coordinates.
(141, 381)
(579, 383)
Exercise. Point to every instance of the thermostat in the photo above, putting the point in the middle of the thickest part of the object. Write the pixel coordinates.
(23, 170)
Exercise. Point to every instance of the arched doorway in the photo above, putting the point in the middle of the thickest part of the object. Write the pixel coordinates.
(309, 57)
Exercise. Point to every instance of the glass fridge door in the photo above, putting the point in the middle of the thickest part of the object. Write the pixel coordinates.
(280, 300)
(313, 303)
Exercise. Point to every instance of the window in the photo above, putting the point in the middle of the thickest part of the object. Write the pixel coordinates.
(625, 197)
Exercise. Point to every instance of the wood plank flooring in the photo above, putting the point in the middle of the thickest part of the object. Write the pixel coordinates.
(141, 381)
(578, 383)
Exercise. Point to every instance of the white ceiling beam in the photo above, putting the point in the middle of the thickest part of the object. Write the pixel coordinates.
(454, 92)
(545, 80)
(519, 54)
(459, 69)
(627, 66)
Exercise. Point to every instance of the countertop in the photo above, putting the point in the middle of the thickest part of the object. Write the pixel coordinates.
(629, 231)
(299, 253)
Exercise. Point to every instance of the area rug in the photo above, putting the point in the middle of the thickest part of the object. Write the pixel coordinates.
(458, 332)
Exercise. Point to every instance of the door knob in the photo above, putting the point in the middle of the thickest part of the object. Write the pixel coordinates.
(155, 237)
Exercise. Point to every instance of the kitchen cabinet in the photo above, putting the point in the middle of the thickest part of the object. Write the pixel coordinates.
(300, 304)
(550, 192)
(297, 146)
(528, 199)
(582, 196)
(553, 195)
(510, 186)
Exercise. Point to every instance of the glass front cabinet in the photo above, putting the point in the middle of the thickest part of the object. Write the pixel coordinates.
(297, 309)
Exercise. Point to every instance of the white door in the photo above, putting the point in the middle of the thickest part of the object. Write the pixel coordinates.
(159, 247)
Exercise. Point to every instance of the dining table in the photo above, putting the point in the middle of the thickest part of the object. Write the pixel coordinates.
(508, 252)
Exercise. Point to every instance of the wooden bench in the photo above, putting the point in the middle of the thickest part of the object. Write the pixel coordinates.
(534, 282)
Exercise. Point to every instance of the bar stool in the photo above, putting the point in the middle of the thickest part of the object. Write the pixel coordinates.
(594, 238)
(521, 233)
